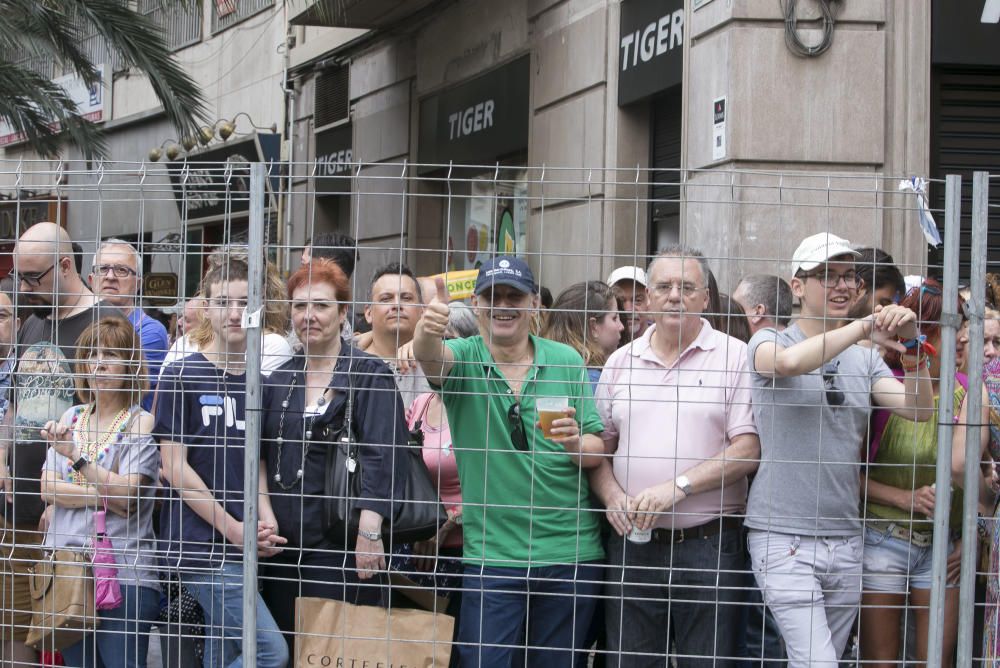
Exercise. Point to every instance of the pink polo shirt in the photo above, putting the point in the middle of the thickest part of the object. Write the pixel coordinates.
(668, 419)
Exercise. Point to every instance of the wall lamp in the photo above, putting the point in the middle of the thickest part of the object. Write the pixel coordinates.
(222, 128)
(172, 152)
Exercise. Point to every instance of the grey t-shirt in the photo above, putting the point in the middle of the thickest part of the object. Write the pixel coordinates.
(807, 482)
(132, 536)
(411, 384)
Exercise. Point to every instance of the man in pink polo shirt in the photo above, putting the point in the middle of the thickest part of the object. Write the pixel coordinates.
(677, 417)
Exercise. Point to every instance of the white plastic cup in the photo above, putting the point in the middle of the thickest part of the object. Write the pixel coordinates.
(640, 536)
(550, 409)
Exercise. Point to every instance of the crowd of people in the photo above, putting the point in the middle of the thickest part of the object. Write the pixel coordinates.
(647, 468)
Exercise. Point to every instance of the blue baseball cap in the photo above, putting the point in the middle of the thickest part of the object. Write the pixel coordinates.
(506, 270)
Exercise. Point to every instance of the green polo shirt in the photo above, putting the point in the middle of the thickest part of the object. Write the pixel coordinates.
(520, 508)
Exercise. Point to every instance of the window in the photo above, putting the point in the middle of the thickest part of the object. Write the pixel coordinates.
(226, 13)
(180, 21)
(332, 103)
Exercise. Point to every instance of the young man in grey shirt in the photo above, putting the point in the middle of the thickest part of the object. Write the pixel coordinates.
(813, 388)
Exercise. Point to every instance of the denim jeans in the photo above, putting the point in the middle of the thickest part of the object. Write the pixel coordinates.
(220, 594)
(546, 609)
(688, 592)
(122, 639)
(812, 585)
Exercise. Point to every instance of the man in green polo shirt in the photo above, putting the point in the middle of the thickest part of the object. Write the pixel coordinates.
(531, 542)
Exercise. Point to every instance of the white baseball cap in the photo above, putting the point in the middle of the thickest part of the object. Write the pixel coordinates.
(817, 249)
(628, 274)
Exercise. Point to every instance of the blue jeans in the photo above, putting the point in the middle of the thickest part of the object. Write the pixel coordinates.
(541, 613)
(122, 639)
(220, 594)
(689, 592)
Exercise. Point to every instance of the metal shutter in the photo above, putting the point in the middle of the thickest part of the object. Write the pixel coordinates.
(665, 208)
(332, 97)
(965, 137)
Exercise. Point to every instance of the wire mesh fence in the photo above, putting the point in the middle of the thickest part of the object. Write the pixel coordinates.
(295, 414)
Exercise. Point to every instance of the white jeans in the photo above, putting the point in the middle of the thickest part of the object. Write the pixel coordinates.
(813, 588)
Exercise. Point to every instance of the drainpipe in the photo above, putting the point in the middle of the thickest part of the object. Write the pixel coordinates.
(290, 97)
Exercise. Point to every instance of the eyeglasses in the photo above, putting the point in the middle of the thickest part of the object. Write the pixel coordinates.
(34, 279)
(828, 280)
(686, 289)
(119, 270)
(834, 395)
(517, 435)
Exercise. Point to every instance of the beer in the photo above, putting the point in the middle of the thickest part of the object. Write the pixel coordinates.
(550, 409)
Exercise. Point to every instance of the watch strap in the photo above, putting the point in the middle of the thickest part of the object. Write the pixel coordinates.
(80, 463)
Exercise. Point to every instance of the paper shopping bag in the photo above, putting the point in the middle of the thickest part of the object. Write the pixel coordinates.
(340, 635)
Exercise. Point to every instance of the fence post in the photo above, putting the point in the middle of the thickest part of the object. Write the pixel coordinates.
(950, 323)
(252, 321)
(975, 309)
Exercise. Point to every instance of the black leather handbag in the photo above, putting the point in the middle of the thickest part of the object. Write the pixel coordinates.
(419, 513)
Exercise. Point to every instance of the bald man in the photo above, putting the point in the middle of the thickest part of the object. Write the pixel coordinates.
(43, 390)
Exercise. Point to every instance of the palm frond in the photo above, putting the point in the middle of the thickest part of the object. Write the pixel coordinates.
(58, 29)
(141, 45)
(38, 27)
(31, 103)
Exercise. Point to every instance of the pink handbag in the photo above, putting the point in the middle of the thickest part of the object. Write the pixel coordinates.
(107, 591)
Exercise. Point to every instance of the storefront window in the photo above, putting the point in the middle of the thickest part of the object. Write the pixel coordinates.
(487, 215)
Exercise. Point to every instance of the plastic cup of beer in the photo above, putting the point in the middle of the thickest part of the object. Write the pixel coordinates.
(549, 409)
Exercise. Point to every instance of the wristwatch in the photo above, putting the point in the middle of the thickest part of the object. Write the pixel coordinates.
(370, 535)
(80, 463)
(684, 485)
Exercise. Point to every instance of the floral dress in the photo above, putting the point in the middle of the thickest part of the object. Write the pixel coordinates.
(991, 622)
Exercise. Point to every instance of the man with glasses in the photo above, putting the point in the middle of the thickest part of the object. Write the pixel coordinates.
(44, 273)
(676, 410)
(813, 388)
(116, 276)
(532, 546)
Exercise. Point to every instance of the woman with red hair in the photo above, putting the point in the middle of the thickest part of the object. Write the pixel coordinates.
(898, 502)
(305, 404)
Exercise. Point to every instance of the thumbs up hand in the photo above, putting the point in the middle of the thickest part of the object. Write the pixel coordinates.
(435, 318)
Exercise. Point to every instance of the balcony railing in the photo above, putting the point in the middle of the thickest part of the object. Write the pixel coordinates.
(226, 13)
(181, 22)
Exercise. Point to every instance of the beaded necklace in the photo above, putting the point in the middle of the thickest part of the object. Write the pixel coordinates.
(307, 435)
(95, 450)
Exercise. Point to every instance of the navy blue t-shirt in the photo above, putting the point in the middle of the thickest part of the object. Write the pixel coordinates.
(200, 406)
(379, 426)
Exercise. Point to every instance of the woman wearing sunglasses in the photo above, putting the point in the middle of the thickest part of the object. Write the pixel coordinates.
(898, 502)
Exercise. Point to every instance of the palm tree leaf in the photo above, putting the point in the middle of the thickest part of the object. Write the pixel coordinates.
(140, 43)
(31, 103)
(27, 25)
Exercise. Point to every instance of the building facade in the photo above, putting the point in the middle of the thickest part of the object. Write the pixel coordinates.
(584, 134)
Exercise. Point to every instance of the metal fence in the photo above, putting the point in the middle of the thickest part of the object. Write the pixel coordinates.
(231, 435)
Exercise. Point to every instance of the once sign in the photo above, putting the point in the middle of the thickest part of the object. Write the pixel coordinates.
(650, 48)
(472, 119)
(476, 121)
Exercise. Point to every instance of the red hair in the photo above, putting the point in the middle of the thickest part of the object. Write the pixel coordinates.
(321, 270)
(927, 301)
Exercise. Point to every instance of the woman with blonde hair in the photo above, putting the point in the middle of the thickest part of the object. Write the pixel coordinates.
(101, 455)
(275, 349)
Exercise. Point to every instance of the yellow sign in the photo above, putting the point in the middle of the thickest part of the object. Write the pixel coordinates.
(460, 284)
